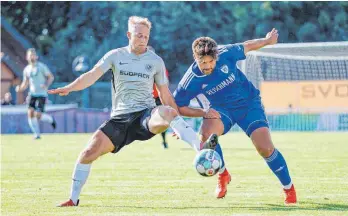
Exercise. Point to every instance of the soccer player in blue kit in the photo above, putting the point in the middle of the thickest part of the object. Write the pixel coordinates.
(228, 97)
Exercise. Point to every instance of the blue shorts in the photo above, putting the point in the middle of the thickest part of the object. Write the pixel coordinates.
(249, 118)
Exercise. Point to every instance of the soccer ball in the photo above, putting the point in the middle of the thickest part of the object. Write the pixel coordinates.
(207, 162)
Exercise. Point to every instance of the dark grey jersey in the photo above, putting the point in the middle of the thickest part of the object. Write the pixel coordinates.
(134, 76)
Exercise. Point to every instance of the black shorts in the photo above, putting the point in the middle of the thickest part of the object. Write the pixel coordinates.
(158, 101)
(125, 128)
(37, 103)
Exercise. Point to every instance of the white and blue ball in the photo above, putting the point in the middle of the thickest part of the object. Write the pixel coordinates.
(207, 162)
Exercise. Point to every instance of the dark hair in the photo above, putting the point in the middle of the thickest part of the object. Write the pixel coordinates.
(204, 46)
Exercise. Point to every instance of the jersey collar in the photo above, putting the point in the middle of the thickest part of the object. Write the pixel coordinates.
(138, 56)
(197, 71)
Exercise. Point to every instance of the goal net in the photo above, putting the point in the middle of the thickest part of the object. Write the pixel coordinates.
(304, 86)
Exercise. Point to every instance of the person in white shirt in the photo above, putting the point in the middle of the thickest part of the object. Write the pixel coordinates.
(38, 77)
(134, 115)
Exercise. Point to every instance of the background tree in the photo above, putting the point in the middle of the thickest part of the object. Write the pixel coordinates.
(64, 30)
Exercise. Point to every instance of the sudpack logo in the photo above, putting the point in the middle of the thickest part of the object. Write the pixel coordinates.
(129, 73)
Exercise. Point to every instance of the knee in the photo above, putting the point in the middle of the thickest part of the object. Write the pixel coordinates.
(161, 119)
(205, 136)
(92, 151)
(87, 156)
(266, 152)
(168, 113)
(38, 115)
(30, 113)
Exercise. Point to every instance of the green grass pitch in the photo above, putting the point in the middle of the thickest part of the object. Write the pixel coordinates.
(145, 179)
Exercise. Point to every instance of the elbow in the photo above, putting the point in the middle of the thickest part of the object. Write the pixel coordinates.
(181, 110)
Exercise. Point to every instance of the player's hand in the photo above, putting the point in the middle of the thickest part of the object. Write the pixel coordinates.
(212, 114)
(61, 91)
(175, 135)
(272, 37)
(18, 89)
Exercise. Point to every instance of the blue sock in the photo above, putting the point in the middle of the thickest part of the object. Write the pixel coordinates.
(277, 164)
(219, 151)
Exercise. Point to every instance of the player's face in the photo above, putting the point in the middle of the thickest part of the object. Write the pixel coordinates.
(206, 64)
(139, 38)
(32, 57)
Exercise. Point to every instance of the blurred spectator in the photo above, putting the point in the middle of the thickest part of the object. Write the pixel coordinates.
(80, 65)
(7, 99)
(38, 78)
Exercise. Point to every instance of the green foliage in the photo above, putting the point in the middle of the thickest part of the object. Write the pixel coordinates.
(93, 28)
(33, 19)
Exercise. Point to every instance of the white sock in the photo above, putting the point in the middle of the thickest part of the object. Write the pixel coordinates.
(222, 169)
(79, 178)
(34, 125)
(46, 118)
(185, 132)
(287, 187)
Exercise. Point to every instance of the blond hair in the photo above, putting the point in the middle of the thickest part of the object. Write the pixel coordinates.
(133, 20)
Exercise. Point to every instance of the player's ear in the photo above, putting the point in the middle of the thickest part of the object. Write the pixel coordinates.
(129, 35)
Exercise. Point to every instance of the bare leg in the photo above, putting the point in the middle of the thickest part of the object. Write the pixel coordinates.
(163, 116)
(98, 145)
(262, 141)
(33, 123)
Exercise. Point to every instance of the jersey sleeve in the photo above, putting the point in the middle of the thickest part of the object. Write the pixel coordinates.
(185, 91)
(107, 61)
(235, 51)
(160, 75)
(182, 97)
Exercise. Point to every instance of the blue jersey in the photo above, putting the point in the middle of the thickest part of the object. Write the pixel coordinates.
(225, 87)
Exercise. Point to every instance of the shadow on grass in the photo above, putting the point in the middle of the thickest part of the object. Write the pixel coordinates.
(307, 206)
(261, 207)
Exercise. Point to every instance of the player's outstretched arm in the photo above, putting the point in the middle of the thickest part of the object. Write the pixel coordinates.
(196, 112)
(270, 39)
(82, 82)
(166, 96)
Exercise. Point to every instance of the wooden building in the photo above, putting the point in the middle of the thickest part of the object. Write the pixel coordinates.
(13, 61)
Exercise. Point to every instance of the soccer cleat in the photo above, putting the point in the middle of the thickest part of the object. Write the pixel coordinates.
(290, 196)
(37, 137)
(68, 203)
(211, 142)
(54, 124)
(165, 145)
(223, 180)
